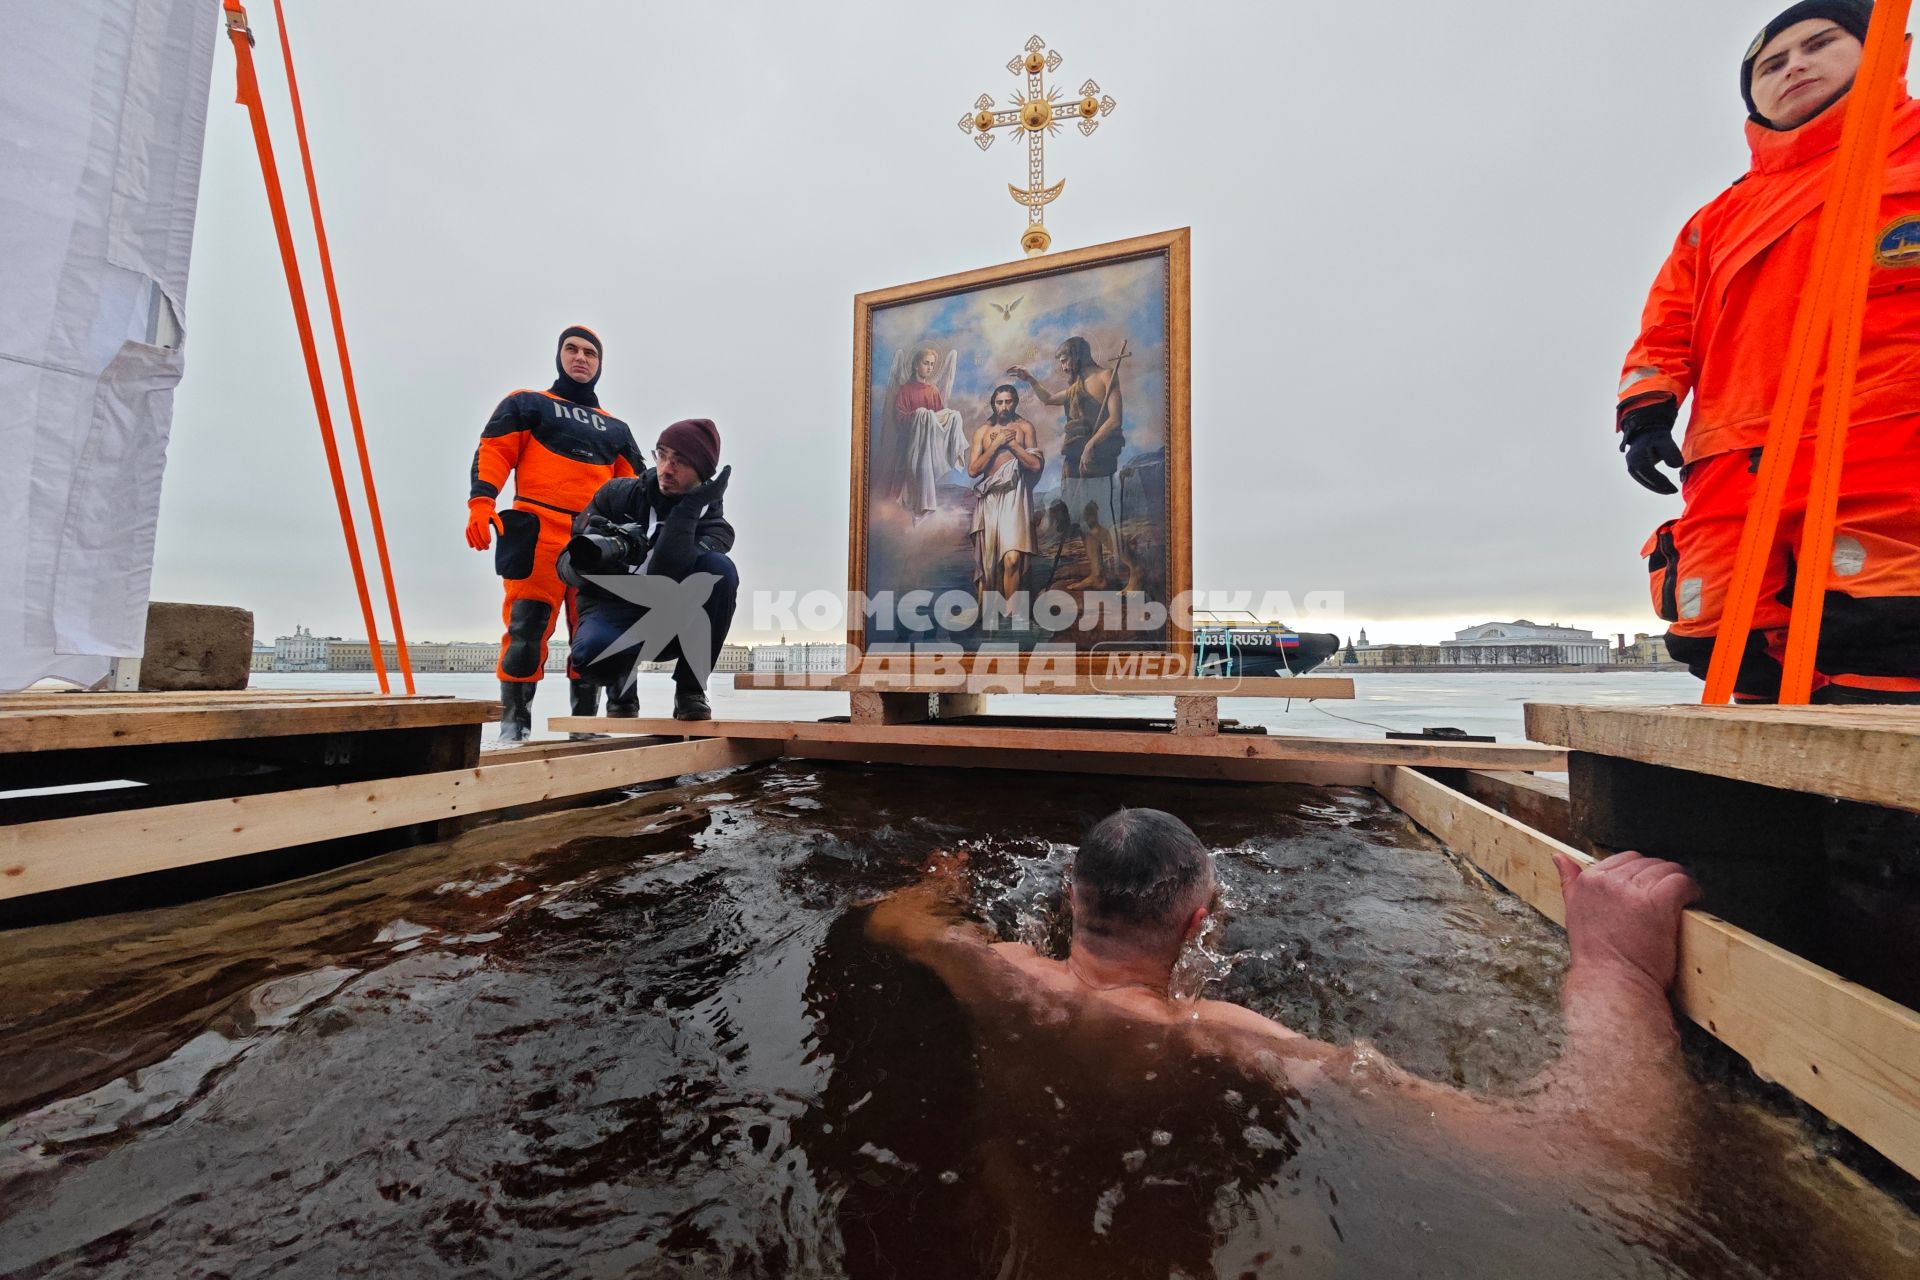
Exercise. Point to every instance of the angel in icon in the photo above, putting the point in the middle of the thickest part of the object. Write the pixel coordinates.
(930, 440)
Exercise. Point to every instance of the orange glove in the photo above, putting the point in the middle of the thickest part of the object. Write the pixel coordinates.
(481, 523)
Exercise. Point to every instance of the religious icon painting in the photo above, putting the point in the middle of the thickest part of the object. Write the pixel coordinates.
(1020, 460)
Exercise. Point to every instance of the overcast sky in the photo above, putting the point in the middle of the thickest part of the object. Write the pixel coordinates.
(1422, 235)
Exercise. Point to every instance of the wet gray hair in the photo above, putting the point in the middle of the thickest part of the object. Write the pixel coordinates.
(1138, 871)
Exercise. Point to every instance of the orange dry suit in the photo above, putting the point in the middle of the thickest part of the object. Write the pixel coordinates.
(1717, 326)
(560, 450)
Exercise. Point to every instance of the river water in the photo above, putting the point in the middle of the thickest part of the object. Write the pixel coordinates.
(653, 1039)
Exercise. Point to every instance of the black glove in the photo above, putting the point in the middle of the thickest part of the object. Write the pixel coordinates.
(1646, 437)
(709, 493)
(674, 546)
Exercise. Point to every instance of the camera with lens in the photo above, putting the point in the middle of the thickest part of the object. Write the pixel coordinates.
(606, 547)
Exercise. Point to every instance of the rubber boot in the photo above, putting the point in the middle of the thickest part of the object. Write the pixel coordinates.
(1847, 695)
(691, 704)
(623, 699)
(516, 709)
(585, 700)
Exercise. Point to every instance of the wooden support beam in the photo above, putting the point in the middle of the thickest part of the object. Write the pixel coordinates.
(876, 707)
(1195, 716)
(1197, 768)
(1425, 754)
(36, 857)
(1307, 687)
(64, 728)
(1540, 803)
(1847, 1051)
(1869, 754)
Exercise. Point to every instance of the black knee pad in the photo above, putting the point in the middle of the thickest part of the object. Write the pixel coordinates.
(1877, 636)
(526, 628)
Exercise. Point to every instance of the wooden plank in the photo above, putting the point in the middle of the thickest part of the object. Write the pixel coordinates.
(1299, 687)
(1540, 803)
(39, 856)
(61, 729)
(162, 697)
(1198, 768)
(1870, 754)
(1847, 1051)
(557, 750)
(81, 700)
(1432, 754)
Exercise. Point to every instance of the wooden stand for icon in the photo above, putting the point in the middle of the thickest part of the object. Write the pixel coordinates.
(916, 699)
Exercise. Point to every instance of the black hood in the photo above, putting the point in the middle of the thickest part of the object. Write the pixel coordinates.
(564, 386)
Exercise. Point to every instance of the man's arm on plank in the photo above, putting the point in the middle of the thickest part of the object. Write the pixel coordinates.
(1620, 1076)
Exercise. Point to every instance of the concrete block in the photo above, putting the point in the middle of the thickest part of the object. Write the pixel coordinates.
(197, 646)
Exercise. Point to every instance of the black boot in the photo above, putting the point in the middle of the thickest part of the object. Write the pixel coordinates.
(585, 701)
(623, 699)
(516, 709)
(691, 704)
(1846, 695)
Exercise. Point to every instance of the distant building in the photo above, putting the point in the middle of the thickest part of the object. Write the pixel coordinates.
(357, 655)
(1649, 651)
(733, 657)
(799, 659)
(1493, 644)
(473, 655)
(301, 651)
(262, 657)
(1526, 643)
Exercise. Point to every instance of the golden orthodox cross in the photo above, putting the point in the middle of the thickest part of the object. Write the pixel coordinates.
(1037, 112)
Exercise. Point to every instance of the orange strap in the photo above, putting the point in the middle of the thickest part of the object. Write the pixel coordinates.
(1832, 306)
(248, 95)
(346, 364)
(1879, 69)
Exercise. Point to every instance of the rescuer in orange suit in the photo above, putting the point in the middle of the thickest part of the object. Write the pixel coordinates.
(1717, 326)
(560, 446)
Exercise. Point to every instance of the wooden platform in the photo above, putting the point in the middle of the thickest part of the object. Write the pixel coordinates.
(1090, 738)
(881, 695)
(1868, 754)
(85, 721)
(78, 764)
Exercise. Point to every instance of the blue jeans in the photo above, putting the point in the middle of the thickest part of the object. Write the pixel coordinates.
(604, 619)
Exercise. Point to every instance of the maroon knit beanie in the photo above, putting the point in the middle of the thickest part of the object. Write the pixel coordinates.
(698, 441)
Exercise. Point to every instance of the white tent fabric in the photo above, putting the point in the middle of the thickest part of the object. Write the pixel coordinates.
(105, 104)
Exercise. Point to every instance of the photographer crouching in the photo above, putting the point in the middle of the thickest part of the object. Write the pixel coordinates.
(649, 556)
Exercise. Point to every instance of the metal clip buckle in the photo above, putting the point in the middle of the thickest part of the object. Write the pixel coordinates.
(237, 21)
